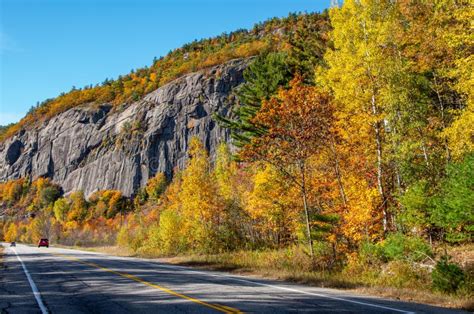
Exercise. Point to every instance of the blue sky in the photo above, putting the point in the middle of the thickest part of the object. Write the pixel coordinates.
(48, 46)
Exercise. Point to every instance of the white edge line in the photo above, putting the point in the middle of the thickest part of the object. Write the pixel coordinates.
(35, 290)
(254, 282)
(289, 289)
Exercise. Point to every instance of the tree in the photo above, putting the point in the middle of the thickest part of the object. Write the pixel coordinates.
(41, 226)
(78, 210)
(12, 233)
(225, 170)
(298, 123)
(61, 209)
(263, 78)
(199, 200)
(156, 186)
(272, 206)
(49, 195)
(453, 208)
(308, 43)
(115, 201)
(357, 75)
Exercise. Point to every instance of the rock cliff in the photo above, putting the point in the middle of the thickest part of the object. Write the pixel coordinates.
(98, 147)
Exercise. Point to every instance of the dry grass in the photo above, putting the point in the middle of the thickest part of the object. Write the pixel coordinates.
(419, 296)
(463, 256)
(110, 250)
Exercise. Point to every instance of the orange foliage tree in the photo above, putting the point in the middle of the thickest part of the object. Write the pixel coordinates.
(298, 123)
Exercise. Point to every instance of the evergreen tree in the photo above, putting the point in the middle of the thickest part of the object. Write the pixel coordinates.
(262, 79)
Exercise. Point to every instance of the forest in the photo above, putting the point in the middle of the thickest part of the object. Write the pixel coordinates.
(352, 160)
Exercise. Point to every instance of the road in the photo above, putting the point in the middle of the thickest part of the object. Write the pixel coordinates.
(56, 280)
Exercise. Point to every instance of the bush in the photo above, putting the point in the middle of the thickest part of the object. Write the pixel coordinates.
(453, 209)
(370, 253)
(447, 277)
(167, 238)
(402, 274)
(130, 238)
(400, 247)
(49, 195)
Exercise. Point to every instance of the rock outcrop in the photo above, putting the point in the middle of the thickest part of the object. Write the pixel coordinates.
(98, 147)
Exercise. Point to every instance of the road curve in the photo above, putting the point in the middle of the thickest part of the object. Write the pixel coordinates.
(73, 281)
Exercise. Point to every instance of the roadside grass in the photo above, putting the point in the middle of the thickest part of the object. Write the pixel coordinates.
(110, 250)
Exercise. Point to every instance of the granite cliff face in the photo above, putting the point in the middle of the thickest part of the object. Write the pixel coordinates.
(97, 147)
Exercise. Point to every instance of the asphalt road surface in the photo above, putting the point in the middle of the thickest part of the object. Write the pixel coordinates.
(54, 280)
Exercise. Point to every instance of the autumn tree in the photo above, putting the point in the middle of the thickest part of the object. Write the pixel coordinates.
(156, 186)
(437, 43)
(357, 75)
(61, 208)
(231, 182)
(272, 207)
(11, 233)
(298, 123)
(78, 211)
(199, 200)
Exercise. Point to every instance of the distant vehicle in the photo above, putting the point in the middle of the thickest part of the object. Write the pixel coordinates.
(13, 244)
(43, 242)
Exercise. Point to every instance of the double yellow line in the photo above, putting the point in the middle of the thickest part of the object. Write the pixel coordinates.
(217, 307)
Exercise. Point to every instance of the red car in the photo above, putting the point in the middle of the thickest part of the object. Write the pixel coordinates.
(43, 242)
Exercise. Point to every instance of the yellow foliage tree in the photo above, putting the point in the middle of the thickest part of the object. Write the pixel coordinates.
(199, 200)
(78, 211)
(156, 186)
(11, 234)
(271, 203)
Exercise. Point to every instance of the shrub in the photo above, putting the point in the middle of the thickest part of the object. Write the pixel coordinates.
(167, 237)
(453, 209)
(402, 274)
(398, 247)
(369, 253)
(447, 277)
(130, 238)
(49, 195)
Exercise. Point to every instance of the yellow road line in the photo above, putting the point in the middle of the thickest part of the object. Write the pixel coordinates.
(220, 308)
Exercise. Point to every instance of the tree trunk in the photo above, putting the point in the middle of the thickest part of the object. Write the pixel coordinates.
(380, 174)
(337, 172)
(306, 212)
(443, 119)
(378, 136)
